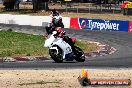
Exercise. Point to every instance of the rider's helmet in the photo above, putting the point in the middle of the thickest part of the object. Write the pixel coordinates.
(59, 29)
(54, 12)
(60, 32)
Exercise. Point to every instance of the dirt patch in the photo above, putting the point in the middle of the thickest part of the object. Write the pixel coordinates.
(57, 78)
(98, 16)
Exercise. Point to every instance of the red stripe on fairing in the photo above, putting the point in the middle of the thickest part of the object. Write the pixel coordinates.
(130, 26)
(74, 23)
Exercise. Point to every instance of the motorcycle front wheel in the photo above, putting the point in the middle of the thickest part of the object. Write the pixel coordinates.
(80, 57)
(56, 54)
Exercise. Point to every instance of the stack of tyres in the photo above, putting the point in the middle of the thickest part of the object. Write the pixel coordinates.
(127, 11)
(127, 8)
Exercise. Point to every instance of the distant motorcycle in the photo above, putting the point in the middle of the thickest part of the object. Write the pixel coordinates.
(60, 50)
(58, 21)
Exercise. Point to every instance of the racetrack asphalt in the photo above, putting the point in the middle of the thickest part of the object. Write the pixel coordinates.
(122, 58)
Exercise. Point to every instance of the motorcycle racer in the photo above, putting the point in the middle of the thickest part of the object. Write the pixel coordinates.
(60, 33)
(56, 18)
(55, 15)
(56, 21)
(57, 25)
(54, 12)
(60, 50)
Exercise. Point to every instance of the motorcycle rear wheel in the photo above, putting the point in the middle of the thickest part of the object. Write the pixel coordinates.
(80, 57)
(56, 56)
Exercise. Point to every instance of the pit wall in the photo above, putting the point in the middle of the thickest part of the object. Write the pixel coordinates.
(76, 23)
(99, 24)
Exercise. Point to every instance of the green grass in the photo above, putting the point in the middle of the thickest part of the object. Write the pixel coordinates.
(86, 46)
(21, 44)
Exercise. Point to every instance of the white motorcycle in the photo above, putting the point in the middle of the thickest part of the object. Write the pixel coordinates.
(59, 50)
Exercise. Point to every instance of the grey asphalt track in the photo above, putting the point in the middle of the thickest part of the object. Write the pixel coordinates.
(122, 58)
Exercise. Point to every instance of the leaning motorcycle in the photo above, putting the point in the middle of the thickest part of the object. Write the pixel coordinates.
(59, 50)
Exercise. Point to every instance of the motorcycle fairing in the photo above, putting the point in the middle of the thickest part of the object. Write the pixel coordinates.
(63, 45)
(48, 42)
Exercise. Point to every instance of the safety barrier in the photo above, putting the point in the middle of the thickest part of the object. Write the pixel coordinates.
(99, 24)
(30, 20)
(130, 26)
(76, 23)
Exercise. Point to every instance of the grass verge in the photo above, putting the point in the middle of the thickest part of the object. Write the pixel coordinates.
(21, 44)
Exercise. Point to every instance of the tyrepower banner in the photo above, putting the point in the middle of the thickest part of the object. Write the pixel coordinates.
(99, 24)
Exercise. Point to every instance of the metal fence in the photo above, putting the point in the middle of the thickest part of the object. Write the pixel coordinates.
(75, 7)
(88, 7)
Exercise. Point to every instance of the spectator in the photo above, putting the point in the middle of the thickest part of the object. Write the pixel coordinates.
(6, 4)
(17, 2)
(9, 4)
(12, 4)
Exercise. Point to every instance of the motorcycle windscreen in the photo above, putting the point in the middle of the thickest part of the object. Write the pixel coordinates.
(49, 41)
